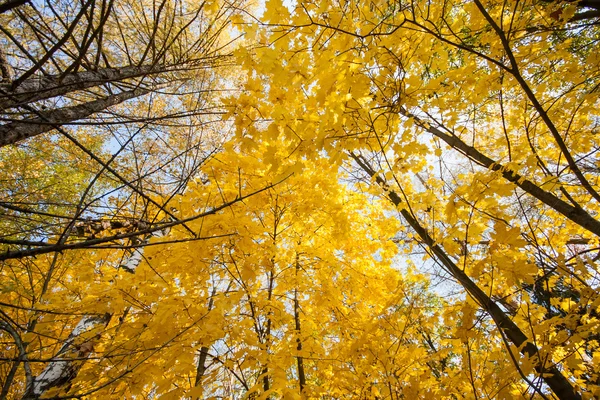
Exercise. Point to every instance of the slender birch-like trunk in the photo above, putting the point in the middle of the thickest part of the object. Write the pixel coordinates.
(67, 362)
(45, 121)
(36, 89)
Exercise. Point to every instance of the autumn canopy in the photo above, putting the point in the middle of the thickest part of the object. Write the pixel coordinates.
(299, 200)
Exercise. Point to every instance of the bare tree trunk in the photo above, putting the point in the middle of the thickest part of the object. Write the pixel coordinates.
(67, 363)
(5, 70)
(36, 89)
(562, 388)
(17, 131)
(10, 4)
(73, 353)
(201, 367)
(299, 358)
(575, 214)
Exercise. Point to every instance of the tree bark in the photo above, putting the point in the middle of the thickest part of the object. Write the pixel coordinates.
(557, 382)
(17, 131)
(36, 89)
(10, 4)
(299, 358)
(73, 353)
(5, 70)
(63, 370)
(201, 367)
(575, 214)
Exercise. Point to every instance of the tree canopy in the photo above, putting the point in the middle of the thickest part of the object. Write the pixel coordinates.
(300, 200)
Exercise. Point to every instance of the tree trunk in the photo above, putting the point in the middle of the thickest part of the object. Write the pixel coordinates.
(575, 214)
(5, 70)
(73, 353)
(560, 385)
(10, 4)
(17, 131)
(36, 89)
(63, 370)
(299, 358)
(201, 367)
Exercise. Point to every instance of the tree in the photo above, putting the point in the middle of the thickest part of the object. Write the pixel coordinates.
(72, 64)
(271, 273)
(477, 120)
(295, 281)
(105, 182)
(406, 206)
